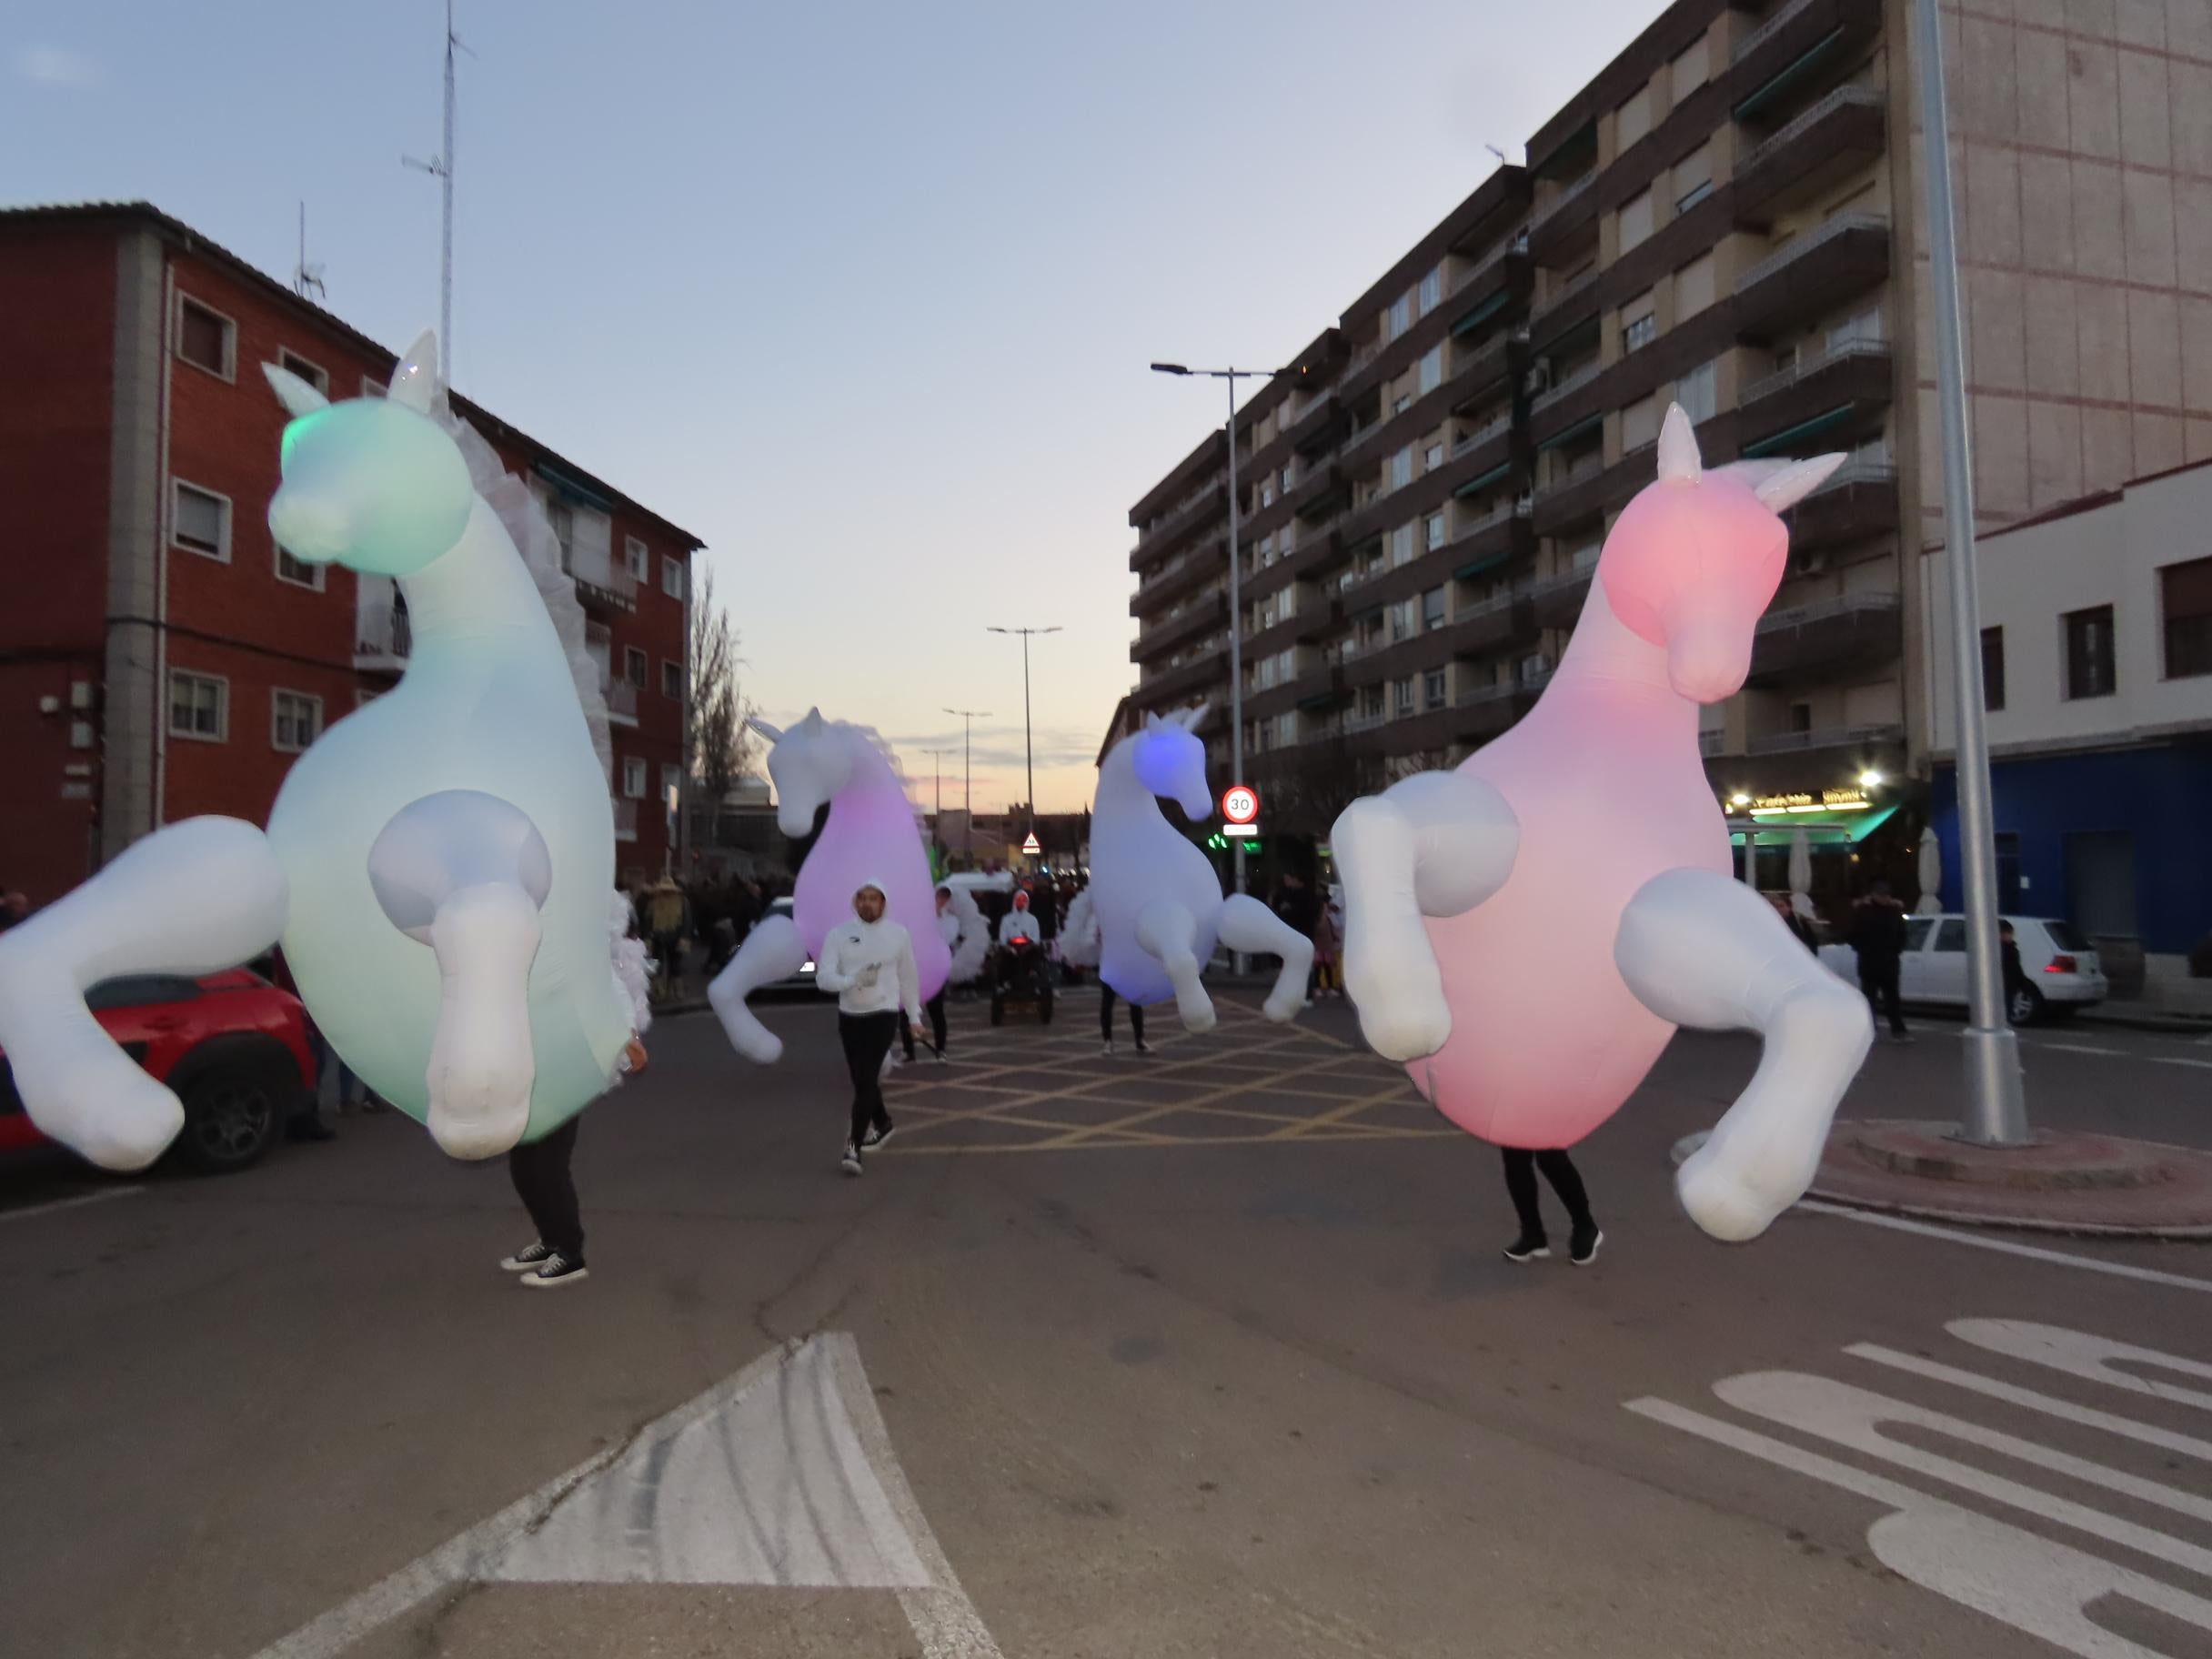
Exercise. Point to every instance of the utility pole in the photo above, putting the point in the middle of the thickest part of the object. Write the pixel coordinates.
(937, 766)
(440, 166)
(967, 719)
(1028, 746)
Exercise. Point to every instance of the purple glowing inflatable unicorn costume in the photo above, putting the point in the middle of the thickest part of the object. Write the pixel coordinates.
(1528, 947)
(870, 837)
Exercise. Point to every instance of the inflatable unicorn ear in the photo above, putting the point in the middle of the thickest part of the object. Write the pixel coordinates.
(415, 382)
(300, 399)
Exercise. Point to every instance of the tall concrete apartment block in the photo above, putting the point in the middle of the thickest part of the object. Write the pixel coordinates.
(1731, 217)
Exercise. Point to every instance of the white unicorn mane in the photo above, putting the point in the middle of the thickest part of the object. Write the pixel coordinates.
(524, 521)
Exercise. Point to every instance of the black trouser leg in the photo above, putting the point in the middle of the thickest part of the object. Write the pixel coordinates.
(544, 1182)
(1567, 1182)
(906, 1033)
(935, 1008)
(1106, 1011)
(1521, 1186)
(1878, 980)
(1136, 1021)
(867, 1038)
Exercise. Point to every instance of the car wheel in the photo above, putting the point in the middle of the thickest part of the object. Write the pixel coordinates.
(2025, 1006)
(232, 1116)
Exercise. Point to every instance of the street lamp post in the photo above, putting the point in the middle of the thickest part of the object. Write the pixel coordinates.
(967, 719)
(937, 769)
(1028, 750)
(1996, 1103)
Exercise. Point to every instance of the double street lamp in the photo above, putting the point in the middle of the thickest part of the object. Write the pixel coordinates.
(967, 719)
(1029, 748)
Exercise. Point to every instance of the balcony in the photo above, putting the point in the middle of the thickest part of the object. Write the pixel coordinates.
(1786, 57)
(1190, 568)
(1567, 501)
(1181, 625)
(1474, 370)
(1492, 269)
(1830, 736)
(1480, 629)
(1484, 711)
(383, 637)
(1854, 625)
(622, 697)
(1813, 273)
(1204, 671)
(1319, 490)
(1557, 600)
(1187, 516)
(1851, 374)
(1563, 309)
(1837, 136)
(1576, 379)
(601, 583)
(1315, 426)
(1859, 500)
(1562, 226)
(626, 819)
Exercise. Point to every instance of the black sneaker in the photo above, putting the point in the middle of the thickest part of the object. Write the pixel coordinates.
(1582, 1248)
(1527, 1249)
(559, 1270)
(878, 1133)
(850, 1162)
(531, 1255)
(1144, 1047)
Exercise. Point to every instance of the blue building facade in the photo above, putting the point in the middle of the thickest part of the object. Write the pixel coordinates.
(2113, 841)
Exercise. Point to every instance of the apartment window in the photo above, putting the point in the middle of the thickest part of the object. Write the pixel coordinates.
(201, 521)
(633, 778)
(672, 576)
(2090, 666)
(1693, 178)
(672, 679)
(1402, 695)
(199, 706)
(2184, 601)
(1267, 492)
(1403, 402)
(1698, 391)
(1863, 328)
(291, 362)
(1639, 424)
(1290, 474)
(1401, 545)
(1690, 71)
(636, 560)
(206, 338)
(1432, 368)
(1436, 530)
(1632, 120)
(561, 517)
(671, 783)
(1267, 551)
(1432, 689)
(1801, 716)
(1402, 467)
(295, 720)
(1636, 220)
(633, 665)
(299, 573)
(1693, 287)
(1432, 290)
(1993, 667)
(1639, 323)
(1433, 458)
(1370, 702)
(1401, 317)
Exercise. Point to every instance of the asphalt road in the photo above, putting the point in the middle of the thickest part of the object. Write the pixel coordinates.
(1209, 1353)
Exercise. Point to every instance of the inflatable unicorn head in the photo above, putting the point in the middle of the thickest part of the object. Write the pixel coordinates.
(376, 484)
(1170, 761)
(808, 763)
(1695, 559)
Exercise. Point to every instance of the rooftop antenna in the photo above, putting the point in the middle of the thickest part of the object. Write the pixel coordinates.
(1497, 152)
(440, 166)
(306, 278)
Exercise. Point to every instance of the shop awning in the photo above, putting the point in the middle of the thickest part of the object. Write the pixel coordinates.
(1822, 828)
(1803, 430)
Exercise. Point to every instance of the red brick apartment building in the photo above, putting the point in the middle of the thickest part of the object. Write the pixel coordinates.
(160, 657)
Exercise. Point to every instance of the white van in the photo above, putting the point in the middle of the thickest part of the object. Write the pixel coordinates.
(2062, 973)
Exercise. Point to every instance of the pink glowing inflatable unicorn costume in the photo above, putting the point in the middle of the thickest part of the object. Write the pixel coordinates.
(1527, 932)
(870, 837)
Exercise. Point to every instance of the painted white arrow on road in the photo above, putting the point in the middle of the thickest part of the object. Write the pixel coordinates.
(782, 1476)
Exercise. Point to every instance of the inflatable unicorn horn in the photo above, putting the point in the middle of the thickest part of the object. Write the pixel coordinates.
(1530, 928)
(870, 836)
(438, 865)
(1158, 903)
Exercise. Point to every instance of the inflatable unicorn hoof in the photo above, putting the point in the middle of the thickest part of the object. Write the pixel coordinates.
(1723, 1201)
(1408, 1029)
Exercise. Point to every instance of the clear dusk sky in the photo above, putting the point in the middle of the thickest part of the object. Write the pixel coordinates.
(861, 294)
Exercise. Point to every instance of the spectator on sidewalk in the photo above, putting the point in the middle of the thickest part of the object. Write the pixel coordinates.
(1877, 937)
(544, 1181)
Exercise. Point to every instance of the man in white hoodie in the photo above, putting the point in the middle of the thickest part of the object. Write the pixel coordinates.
(869, 964)
(1018, 923)
(947, 930)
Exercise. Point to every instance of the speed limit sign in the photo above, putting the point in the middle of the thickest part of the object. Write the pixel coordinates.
(1241, 804)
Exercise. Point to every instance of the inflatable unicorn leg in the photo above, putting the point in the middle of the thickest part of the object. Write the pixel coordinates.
(1249, 926)
(773, 951)
(1168, 932)
(1435, 844)
(196, 898)
(467, 873)
(1703, 951)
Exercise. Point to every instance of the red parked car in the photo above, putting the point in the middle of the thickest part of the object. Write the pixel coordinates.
(233, 1047)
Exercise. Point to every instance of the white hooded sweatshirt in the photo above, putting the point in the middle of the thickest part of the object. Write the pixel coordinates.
(871, 966)
(1019, 923)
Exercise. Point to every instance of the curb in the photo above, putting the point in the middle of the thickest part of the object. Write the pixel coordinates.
(2169, 1024)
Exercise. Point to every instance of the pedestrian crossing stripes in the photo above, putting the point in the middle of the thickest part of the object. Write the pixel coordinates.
(2036, 1583)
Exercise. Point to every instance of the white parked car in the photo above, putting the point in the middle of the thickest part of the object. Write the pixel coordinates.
(2062, 973)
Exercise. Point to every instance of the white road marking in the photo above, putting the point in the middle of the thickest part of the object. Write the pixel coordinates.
(2033, 1252)
(2089, 1357)
(48, 1208)
(2182, 1060)
(782, 1474)
(2165, 1440)
(2076, 1048)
